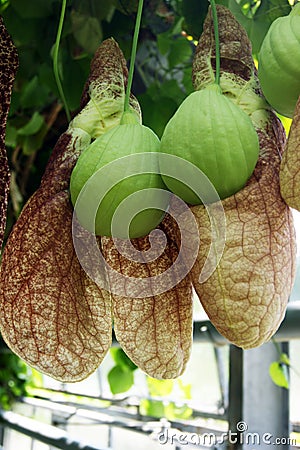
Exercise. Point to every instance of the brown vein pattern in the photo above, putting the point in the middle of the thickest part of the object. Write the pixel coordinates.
(156, 331)
(246, 296)
(8, 68)
(290, 165)
(51, 313)
(235, 49)
(59, 320)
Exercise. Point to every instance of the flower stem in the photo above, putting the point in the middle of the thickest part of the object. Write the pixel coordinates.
(55, 59)
(133, 54)
(217, 41)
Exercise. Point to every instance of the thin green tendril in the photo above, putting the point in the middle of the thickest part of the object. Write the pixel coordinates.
(55, 59)
(133, 54)
(217, 41)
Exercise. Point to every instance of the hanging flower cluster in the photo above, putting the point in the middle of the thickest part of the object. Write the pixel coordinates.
(59, 319)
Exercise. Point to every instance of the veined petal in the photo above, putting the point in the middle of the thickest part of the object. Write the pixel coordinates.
(154, 331)
(8, 67)
(247, 295)
(51, 314)
(290, 164)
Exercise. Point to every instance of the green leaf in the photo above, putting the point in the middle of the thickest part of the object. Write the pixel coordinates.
(103, 10)
(153, 408)
(173, 411)
(87, 31)
(74, 77)
(126, 6)
(185, 389)
(284, 359)
(15, 25)
(272, 9)
(178, 27)
(157, 113)
(159, 388)
(163, 42)
(194, 12)
(258, 25)
(187, 81)
(33, 126)
(33, 8)
(278, 374)
(121, 359)
(46, 77)
(3, 5)
(32, 143)
(171, 89)
(222, 2)
(120, 380)
(34, 94)
(180, 51)
(10, 135)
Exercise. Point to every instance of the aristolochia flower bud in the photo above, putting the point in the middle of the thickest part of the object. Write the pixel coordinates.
(124, 181)
(217, 136)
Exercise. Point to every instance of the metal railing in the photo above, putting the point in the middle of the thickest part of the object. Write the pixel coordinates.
(48, 434)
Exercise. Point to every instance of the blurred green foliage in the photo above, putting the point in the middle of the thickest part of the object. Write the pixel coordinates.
(170, 29)
(159, 402)
(120, 377)
(15, 377)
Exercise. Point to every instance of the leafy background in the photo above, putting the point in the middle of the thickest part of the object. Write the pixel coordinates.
(169, 33)
(162, 72)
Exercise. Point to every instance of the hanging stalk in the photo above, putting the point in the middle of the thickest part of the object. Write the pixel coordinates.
(133, 54)
(55, 59)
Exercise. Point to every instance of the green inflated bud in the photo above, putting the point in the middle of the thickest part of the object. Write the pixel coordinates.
(123, 140)
(279, 63)
(218, 137)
